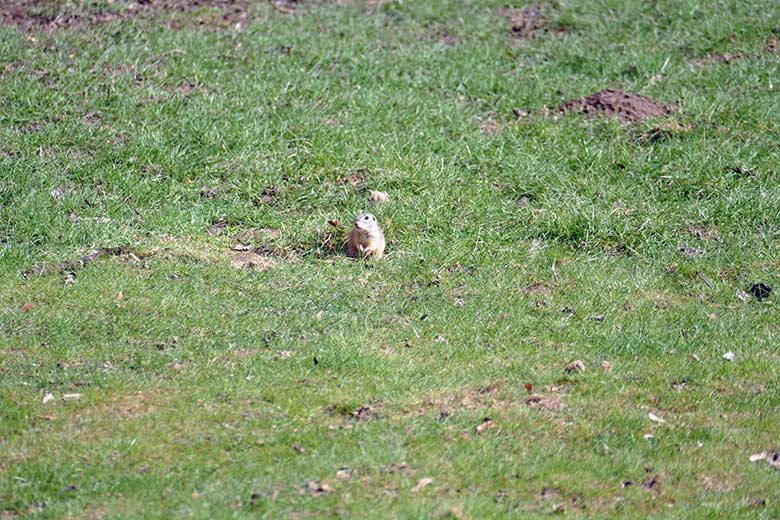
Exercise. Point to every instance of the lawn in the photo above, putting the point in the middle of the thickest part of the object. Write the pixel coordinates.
(563, 321)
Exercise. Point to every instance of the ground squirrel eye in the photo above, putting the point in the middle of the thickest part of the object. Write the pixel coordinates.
(365, 218)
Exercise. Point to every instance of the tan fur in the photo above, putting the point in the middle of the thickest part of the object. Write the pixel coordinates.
(366, 238)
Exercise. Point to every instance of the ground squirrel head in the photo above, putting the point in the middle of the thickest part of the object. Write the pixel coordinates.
(366, 222)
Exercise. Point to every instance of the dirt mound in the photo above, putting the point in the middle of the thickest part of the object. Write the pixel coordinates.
(626, 106)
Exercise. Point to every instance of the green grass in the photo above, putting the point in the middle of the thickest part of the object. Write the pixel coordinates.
(218, 392)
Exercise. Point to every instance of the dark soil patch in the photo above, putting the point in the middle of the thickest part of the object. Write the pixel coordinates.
(526, 23)
(32, 15)
(626, 106)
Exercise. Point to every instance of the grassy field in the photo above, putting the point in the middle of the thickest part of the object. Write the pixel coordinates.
(227, 360)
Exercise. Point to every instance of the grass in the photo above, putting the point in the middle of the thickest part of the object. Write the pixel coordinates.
(317, 385)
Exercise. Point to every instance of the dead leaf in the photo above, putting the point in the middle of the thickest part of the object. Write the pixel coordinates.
(71, 397)
(486, 424)
(27, 307)
(119, 296)
(241, 247)
(653, 417)
(334, 222)
(742, 295)
(421, 484)
(529, 387)
(758, 456)
(575, 366)
(378, 196)
(606, 366)
(47, 398)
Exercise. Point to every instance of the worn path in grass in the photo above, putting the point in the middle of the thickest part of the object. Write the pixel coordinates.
(180, 334)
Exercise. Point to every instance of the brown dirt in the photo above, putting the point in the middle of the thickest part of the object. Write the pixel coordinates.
(470, 399)
(526, 23)
(71, 266)
(626, 106)
(31, 15)
(255, 259)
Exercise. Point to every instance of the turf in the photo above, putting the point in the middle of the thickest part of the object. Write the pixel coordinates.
(307, 384)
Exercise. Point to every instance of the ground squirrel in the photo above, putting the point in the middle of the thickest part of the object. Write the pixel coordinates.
(366, 238)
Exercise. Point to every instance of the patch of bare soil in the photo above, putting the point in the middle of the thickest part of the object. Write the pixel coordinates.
(71, 266)
(245, 256)
(31, 15)
(626, 106)
(526, 23)
(489, 124)
(726, 58)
